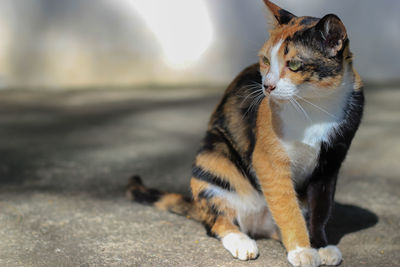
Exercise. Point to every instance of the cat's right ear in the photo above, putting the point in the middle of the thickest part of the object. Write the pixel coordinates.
(331, 33)
(281, 16)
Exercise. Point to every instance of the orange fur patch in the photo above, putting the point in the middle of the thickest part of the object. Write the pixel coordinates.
(168, 200)
(197, 186)
(222, 167)
(358, 84)
(224, 226)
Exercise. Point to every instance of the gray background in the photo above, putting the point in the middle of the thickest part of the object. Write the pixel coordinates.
(84, 43)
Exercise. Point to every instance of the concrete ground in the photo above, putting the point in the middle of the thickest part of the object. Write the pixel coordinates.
(65, 158)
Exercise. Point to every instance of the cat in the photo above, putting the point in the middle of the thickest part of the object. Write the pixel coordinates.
(270, 158)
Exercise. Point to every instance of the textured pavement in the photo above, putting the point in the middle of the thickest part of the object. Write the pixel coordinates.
(65, 158)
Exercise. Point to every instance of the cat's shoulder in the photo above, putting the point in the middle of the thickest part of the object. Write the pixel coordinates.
(247, 77)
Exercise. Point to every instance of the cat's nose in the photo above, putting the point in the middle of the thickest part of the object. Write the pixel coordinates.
(269, 88)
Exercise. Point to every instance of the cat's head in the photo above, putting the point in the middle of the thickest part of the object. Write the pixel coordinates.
(304, 56)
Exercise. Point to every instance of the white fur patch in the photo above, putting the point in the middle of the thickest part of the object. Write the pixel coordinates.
(304, 257)
(242, 204)
(240, 246)
(302, 137)
(307, 123)
(330, 255)
(272, 77)
(253, 215)
(285, 89)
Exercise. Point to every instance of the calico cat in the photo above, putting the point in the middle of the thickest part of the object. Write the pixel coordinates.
(275, 143)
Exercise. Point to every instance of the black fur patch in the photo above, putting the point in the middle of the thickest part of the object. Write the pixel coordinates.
(324, 69)
(205, 194)
(203, 175)
(208, 230)
(322, 183)
(235, 222)
(148, 196)
(286, 51)
(318, 40)
(333, 154)
(284, 16)
(308, 20)
(210, 140)
(136, 180)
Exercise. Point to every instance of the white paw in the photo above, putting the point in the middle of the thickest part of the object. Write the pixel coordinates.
(304, 257)
(330, 255)
(240, 246)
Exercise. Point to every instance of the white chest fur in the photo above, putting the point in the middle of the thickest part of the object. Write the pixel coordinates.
(305, 127)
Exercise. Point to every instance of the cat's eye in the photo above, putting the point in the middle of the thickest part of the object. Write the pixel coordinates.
(294, 65)
(265, 60)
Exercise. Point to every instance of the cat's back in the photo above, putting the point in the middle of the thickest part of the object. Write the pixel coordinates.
(235, 115)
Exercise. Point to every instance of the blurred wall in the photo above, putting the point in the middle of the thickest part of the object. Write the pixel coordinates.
(80, 43)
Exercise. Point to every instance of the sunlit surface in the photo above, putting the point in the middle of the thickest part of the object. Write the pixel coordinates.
(183, 28)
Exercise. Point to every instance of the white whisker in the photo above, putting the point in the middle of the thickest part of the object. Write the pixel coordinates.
(318, 107)
(256, 101)
(251, 94)
(295, 107)
(302, 109)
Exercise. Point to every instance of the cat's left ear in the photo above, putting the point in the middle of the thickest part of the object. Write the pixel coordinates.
(331, 33)
(282, 16)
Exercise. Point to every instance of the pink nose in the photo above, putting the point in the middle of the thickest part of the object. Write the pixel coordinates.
(269, 88)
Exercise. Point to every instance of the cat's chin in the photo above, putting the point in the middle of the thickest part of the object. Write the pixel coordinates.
(278, 99)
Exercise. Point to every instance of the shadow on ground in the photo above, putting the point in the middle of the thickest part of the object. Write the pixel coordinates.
(348, 219)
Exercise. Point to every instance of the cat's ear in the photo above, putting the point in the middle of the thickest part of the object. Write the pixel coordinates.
(282, 16)
(332, 34)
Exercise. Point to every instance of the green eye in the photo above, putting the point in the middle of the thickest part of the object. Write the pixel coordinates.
(265, 60)
(295, 65)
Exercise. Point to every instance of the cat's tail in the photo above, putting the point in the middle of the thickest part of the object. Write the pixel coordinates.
(175, 203)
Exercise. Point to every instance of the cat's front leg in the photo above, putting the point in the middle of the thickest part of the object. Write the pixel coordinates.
(320, 198)
(272, 168)
(240, 245)
(282, 202)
